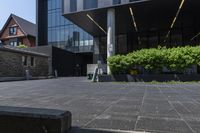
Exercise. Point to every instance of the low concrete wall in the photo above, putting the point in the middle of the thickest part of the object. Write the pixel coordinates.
(91, 68)
(32, 120)
(7, 79)
(4, 79)
(149, 78)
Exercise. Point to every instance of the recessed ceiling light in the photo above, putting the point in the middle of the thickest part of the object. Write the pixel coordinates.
(134, 23)
(133, 18)
(195, 36)
(96, 23)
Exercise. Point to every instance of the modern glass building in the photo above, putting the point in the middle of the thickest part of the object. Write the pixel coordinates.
(117, 26)
(121, 26)
(54, 29)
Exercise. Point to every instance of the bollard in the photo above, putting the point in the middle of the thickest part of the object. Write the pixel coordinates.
(27, 75)
(95, 75)
(56, 73)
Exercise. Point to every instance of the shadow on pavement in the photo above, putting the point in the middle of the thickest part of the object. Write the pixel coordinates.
(85, 130)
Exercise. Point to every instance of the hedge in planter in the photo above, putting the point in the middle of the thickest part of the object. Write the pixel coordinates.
(154, 59)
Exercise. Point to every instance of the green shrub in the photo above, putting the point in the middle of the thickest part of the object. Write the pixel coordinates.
(118, 64)
(154, 59)
(22, 46)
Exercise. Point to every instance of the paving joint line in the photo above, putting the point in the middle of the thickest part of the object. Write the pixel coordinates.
(109, 106)
(140, 108)
(177, 112)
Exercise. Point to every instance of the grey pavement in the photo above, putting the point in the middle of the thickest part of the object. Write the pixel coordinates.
(113, 107)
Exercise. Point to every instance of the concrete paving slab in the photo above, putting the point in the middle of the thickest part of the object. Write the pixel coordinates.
(153, 124)
(160, 108)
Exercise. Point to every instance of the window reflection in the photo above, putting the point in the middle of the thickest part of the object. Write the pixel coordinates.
(63, 33)
(73, 5)
(88, 4)
(115, 2)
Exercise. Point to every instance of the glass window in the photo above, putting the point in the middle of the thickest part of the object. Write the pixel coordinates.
(66, 33)
(153, 39)
(53, 6)
(62, 32)
(53, 20)
(133, 0)
(187, 36)
(32, 61)
(163, 40)
(49, 4)
(58, 4)
(49, 35)
(176, 37)
(24, 60)
(73, 5)
(76, 36)
(86, 39)
(88, 4)
(71, 42)
(13, 31)
(13, 43)
(49, 20)
(90, 40)
(115, 2)
(81, 38)
(57, 19)
(57, 33)
(53, 35)
(62, 19)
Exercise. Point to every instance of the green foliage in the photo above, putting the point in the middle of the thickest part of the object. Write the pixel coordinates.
(154, 59)
(22, 46)
(119, 64)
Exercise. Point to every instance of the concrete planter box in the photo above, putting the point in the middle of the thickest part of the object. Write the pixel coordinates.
(149, 78)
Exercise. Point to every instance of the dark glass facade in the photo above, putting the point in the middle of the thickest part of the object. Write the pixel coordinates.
(133, 0)
(88, 4)
(61, 32)
(81, 5)
(73, 5)
(115, 2)
(179, 36)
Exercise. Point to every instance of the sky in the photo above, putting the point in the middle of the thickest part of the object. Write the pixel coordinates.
(22, 8)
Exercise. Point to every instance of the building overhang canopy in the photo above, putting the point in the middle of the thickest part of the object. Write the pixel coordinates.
(148, 16)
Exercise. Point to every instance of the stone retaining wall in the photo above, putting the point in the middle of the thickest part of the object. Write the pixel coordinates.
(11, 64)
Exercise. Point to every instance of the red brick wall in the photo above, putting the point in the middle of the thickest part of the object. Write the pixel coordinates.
(6, 31)
(29, 41)
(32, 41)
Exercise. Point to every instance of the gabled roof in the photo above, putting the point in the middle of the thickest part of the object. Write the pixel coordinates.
(28, 28)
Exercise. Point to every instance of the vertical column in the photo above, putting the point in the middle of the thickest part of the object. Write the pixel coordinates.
(110, 35)
(96, 50)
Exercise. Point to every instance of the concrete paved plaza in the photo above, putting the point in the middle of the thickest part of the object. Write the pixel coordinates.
(160, 108)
